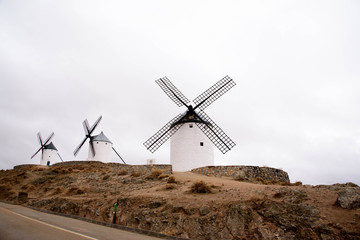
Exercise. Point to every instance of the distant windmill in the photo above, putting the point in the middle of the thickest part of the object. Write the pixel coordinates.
(99, 145)
(49, 152)
(191, 146)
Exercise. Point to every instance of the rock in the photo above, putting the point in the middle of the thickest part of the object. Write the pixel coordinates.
(349, 199)
(190, 211)
(291, 195)
(291, 217)
(204, 210)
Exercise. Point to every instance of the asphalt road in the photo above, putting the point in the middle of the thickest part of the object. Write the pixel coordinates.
(19, 223)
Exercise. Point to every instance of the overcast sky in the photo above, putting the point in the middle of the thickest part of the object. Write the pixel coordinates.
(296, 65)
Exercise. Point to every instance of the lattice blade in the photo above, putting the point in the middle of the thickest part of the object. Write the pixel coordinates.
(92, 149)
(213, 93)
(35, 153)
(215, 133)
(153, 143)
(95, 124)
(48, 139)
(86, 127)
(40, 139)
(80, 145)
(173, 93)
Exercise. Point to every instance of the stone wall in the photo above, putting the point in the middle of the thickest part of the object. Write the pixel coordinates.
(144, 169)
(246, 173)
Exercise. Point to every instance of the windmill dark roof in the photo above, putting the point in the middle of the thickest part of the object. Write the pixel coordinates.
(189, 116)
(50, 146)
(101, 138)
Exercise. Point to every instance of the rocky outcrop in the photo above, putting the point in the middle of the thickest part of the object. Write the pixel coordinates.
(349, 198)
(245, 173)
(160, 203)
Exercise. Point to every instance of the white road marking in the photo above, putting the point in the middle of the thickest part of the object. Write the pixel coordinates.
(50, 225)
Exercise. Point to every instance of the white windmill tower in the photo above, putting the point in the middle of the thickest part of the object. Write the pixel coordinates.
(49, 153)
(99, 145)
(192, 133)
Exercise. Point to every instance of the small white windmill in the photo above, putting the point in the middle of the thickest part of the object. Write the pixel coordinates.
(192, 133)
(49, 153)
(99, 145)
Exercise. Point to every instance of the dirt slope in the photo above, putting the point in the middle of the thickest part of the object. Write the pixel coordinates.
(162, 203)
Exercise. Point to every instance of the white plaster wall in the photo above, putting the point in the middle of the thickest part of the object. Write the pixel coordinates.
(186, 153)
(103, 151)
(49, 155)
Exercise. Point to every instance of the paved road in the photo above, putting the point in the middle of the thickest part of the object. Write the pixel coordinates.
(18, 223)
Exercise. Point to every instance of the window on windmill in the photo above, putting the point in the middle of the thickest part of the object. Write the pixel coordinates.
(97, 142)
(201, 144)
(190, 126)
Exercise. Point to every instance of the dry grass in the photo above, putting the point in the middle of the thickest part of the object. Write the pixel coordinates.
(200, 187)
(106, 177)
(163, 175)
(75, 191)
(122, 172)
(298, 183)
(58, 191)
(170, 186)
(171, 179)
(135, 174)
(6, 191)
(28, 187)
(155, 174)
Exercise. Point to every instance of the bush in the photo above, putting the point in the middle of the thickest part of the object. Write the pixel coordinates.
(106, 177)
(135, 174)
(122, 172)
(162, 176)
(240, 178)
(171, 179)
(200, 187)
(58, 191)
(75, 190)
(298, 183)
(170, 186)
(155, 174)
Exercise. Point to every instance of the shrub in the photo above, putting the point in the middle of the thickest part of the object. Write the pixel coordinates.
(200, 187)
(163, 175)
(135, 174)
(122, 172)
(298, 183)
(75, 190)
(170, 186)
(106, 177)
(155, 174)
(171, 179)
(58, 191)
(240, 178)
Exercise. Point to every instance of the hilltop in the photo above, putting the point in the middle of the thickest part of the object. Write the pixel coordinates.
(172, 203)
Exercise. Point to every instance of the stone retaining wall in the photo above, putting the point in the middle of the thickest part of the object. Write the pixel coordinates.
(144, 169)
(247, 173)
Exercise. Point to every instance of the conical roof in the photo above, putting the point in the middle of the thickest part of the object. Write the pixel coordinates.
(101, 138)
(190, 116)
(50, 146)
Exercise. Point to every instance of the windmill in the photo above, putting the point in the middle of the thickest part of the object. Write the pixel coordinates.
(196, 133)
(99, 145)
(49, 152)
